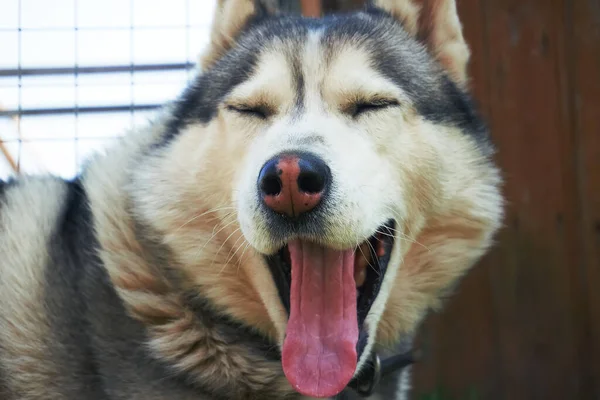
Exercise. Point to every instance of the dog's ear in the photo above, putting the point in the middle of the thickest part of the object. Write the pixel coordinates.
(230, 18)
(436, 24)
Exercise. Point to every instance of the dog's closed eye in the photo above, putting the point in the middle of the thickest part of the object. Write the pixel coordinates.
(260, 111)
(362, 107)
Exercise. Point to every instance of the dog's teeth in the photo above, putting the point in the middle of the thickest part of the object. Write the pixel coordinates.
(360, 274)
(360, 264)
(380, 248)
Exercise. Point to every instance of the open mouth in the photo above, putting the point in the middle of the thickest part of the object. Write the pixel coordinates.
(328, 294)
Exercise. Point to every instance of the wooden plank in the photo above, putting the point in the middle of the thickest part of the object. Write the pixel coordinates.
(342, 5)
(585, 57)
(535, 293)
(460, 344)
(311, 8)
(462, 340)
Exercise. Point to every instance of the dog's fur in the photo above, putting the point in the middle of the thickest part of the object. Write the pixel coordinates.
(145, 278)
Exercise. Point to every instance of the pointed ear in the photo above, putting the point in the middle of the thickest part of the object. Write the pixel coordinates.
(230, 18)
(436, 24)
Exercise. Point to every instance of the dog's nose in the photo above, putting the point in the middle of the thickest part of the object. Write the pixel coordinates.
(293, 184)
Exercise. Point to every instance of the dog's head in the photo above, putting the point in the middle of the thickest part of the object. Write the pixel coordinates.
(325, 181)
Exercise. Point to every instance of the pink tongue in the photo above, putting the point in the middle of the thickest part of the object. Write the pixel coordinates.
(319, 350)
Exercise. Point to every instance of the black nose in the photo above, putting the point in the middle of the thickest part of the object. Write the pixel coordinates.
(293, 183)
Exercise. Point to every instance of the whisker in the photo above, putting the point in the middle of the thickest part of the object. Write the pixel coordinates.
(376, 258)
(403, 236)
(242, 257)
(230, 256)
(189, 221)
(223, 244)
(213, 236)
(367, 258)
(226, 263)
(407, 226)
(384, 234)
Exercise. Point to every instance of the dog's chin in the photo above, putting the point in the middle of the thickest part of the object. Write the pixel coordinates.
(328, 294)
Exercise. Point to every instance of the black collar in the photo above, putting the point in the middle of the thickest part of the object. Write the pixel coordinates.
(376, 369)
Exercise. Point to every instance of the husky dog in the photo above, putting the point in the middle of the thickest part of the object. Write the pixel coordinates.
(319, 187)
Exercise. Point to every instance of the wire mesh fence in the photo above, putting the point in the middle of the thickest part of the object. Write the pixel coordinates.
(76, 74)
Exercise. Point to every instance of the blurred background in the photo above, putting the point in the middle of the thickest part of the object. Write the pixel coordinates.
(525, 323)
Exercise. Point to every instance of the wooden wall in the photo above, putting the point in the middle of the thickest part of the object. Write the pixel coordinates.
(525, 324)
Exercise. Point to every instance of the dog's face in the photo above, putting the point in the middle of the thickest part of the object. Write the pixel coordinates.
(326, 181)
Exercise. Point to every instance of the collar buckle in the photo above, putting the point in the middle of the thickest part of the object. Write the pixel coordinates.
(375, 369)
(368, 381)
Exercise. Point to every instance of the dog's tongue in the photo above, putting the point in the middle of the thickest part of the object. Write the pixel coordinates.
(319, 351)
